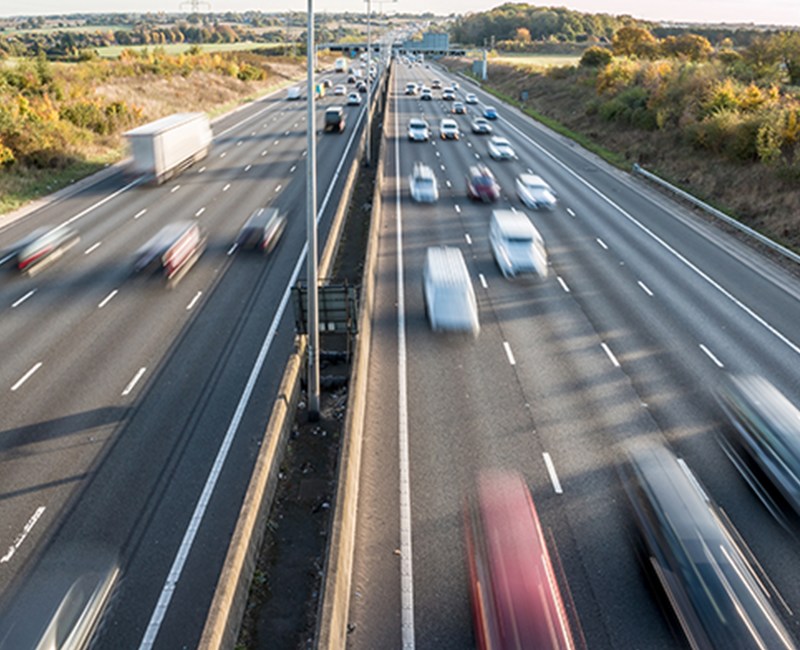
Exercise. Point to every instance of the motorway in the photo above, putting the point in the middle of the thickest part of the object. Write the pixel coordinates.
(133, 413)
(644, 309)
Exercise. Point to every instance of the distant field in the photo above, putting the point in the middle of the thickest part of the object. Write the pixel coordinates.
(113, 51)
(541, 60)
(91, 29)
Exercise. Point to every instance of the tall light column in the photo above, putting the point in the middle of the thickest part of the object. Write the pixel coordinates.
(369, 83)
(311, 229)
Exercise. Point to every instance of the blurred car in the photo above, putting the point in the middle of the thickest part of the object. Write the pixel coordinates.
(340, 89)
(418, 130)
(535, 193)
(766, 426)
(361, 87)
(351, 79)
(436, 84)
(696, 556)
(354, 99)
(515, 597)
(459, 108)
(448, 129)
(490, 113)
(516, 245)
(448, 94)
(481, 184)
(501, 149)
(449, 297)
(411, 88)
(263, 230)
(471, 98)
(42, 247)
(481, 126)
(422, 183)
(326, 83)
(454, 85)
(171, 252)
(334, 119)
(426, 94)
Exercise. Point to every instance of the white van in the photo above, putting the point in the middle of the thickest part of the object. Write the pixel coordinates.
(293, 93)
(448, 293)
(516, 244)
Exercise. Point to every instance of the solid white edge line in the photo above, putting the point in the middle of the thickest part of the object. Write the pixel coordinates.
(610, 355)
(19, 301)
(483, 281)
(26, 376)
(194, 300)
(107, 299)
(645, 288)
(406, 563)
(562, 283)
(551, 470)
(676, 254)
(168, 589)
(711, 356)
(509, 353)
(602, 243)
(133, 381)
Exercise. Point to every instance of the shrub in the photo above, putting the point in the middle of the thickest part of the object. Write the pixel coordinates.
(595, 57)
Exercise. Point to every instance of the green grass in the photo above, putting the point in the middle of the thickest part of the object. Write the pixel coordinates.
(538, 60)
(75, 29)
(612, 157)
(113, 51)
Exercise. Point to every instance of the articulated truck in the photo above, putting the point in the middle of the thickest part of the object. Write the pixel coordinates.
(167, 146)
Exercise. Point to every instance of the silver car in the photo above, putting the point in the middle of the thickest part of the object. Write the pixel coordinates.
(535, 193)
(418, 130)
(501, 149)
(422, 183)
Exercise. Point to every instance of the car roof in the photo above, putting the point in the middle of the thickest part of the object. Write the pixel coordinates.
(448, 122)
(514, 224)
(532, 179)
(416, 121)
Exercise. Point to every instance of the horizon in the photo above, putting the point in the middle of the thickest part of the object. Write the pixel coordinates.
(775, 13)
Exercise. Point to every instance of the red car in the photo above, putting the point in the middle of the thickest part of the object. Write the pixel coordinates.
(516, 601)
(481, 184)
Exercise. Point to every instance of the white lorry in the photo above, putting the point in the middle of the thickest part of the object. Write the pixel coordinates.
(165, 147)
(340, 65)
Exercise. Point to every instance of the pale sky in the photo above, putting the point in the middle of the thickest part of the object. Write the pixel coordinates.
(774, 12)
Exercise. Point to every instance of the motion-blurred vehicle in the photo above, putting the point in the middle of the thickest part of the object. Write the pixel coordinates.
(426, 95)
(351, 79)
(171, 252)
(449, 297)
(697, 556)
(354, 99)
(766, 426)
(471, 98)
(436, 84)
(340, 65)
(167, 146)
(263, 230)
(327, 83)
(482, 185)
(481, 126)
(340, 89)
(334, 119)
(42, 247)
(448, 94)
(418, 130)
(455, 85)
(411, 88)
(516, 245)
(422, 184)
(293, 93)
(361, 87)
(448, 129)
(501, 149)
(535, 193)
(459, 108)
(490, 113)
(516, 600)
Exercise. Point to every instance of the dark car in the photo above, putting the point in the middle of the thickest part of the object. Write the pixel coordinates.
(361, 87)
(263, 230)
(481, 184)
(717, 597)
(334, 119)
(171, 252)
(766, 425)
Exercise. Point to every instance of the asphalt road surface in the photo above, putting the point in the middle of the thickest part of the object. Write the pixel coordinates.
(644, 309)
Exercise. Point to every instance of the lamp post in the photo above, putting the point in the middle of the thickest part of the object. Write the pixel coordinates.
(311, 228)
(369, 84)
